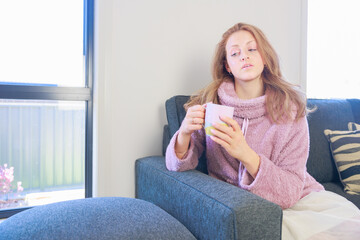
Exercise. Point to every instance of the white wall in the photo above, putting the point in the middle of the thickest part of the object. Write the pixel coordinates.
(148, 51)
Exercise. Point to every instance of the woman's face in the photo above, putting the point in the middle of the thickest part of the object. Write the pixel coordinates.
(243, 58)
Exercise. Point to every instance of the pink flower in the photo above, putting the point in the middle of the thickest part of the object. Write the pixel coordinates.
(9, 174)
(19, 187)
(6, 178)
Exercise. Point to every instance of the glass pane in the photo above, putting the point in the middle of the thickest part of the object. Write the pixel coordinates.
(42, 152)
(333, 49)
(42, 42)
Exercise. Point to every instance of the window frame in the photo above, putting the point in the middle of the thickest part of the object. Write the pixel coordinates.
(38, 92)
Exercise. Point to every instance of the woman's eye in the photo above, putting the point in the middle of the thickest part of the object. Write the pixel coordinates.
(235, 54)
(252, 49)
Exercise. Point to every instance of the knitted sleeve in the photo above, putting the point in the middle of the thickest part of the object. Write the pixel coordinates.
(281, 179)
(191, 158)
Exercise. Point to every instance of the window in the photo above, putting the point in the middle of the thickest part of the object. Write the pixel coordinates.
(45, 102)
(333, 49)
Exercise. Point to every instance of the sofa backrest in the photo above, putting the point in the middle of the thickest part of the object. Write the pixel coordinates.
(329, 114)
(175, 112)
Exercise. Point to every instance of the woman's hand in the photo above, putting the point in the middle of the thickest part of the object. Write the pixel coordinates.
(232, 139)
(193, 121)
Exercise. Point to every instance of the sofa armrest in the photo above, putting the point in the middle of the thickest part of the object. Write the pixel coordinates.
(209, 208)
(166, 138)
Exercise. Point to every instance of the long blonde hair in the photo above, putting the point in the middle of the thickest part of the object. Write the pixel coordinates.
(281, 95)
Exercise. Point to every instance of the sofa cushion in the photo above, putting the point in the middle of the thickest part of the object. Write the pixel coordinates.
(329, 114)
(94, 218)
(353, 126)
(338, 188)
(345, 148)
(355, 106)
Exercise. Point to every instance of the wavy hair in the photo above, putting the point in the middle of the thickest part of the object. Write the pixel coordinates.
(281, 96)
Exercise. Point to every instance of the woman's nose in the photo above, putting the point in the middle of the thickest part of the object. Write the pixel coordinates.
(243, 58)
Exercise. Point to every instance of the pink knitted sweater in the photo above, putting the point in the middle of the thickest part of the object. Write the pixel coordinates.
(283, 149)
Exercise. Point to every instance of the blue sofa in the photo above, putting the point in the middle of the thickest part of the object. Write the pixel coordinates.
(110, 218)
(212, 209)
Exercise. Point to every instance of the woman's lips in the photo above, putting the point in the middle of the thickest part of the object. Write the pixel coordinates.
(246, 66)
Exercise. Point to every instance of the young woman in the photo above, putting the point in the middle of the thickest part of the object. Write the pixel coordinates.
(267, 155)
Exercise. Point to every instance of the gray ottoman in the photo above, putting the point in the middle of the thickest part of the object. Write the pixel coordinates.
(94, 218)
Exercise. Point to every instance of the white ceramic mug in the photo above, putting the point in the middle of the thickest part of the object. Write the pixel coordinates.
(213, 113)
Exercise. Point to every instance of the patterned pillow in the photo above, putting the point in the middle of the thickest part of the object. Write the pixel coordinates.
(353, 126)
(345, 148)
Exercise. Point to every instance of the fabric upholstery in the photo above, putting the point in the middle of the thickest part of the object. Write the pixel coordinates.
(329, 114)
(345, 148)
(166, 138)
(355, 106)
(338, 188)
(353, 126)
(175, 112)
(94, 218)
(209, 208)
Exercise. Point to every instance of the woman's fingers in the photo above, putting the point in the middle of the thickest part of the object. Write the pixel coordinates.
(197, 121)
(231, 122)
(195, 127)
(227, 132)
(197, 108)
(196, 114)
(223, 130)
(193, 120)
(221, 134)
(223, 143)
